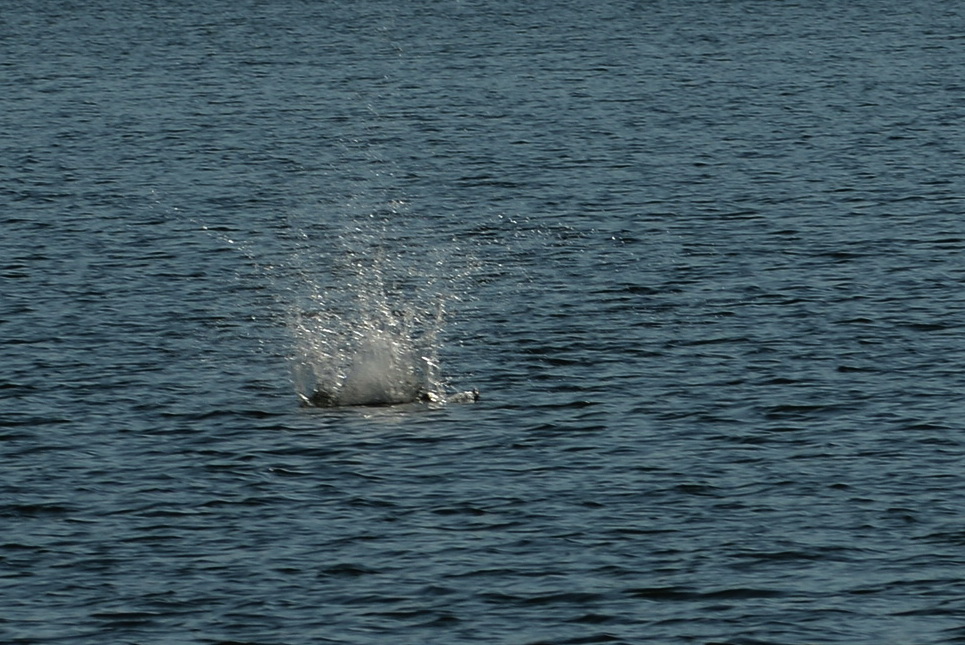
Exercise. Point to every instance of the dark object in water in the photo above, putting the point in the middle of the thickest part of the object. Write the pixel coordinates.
(325, 399)
(320, 399)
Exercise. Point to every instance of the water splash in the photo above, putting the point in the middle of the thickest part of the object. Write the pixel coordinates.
(371, 354)
(365, 292)
(367, 325)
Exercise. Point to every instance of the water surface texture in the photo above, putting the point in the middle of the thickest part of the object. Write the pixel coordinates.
(703, 260)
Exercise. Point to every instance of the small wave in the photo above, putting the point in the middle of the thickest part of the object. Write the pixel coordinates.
(687, 594)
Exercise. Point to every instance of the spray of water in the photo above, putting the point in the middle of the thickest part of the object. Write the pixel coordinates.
(368, 316)
(371, 350)
(365, 292)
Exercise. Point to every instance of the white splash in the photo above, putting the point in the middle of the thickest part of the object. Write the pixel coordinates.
(371, 356)
(368, 332)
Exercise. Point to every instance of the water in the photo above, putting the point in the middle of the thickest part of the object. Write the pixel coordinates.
(702, 260)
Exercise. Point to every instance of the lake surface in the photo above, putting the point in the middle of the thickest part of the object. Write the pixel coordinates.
(703, 261)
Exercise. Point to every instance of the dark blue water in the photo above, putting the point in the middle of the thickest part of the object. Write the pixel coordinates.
(703, 260)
